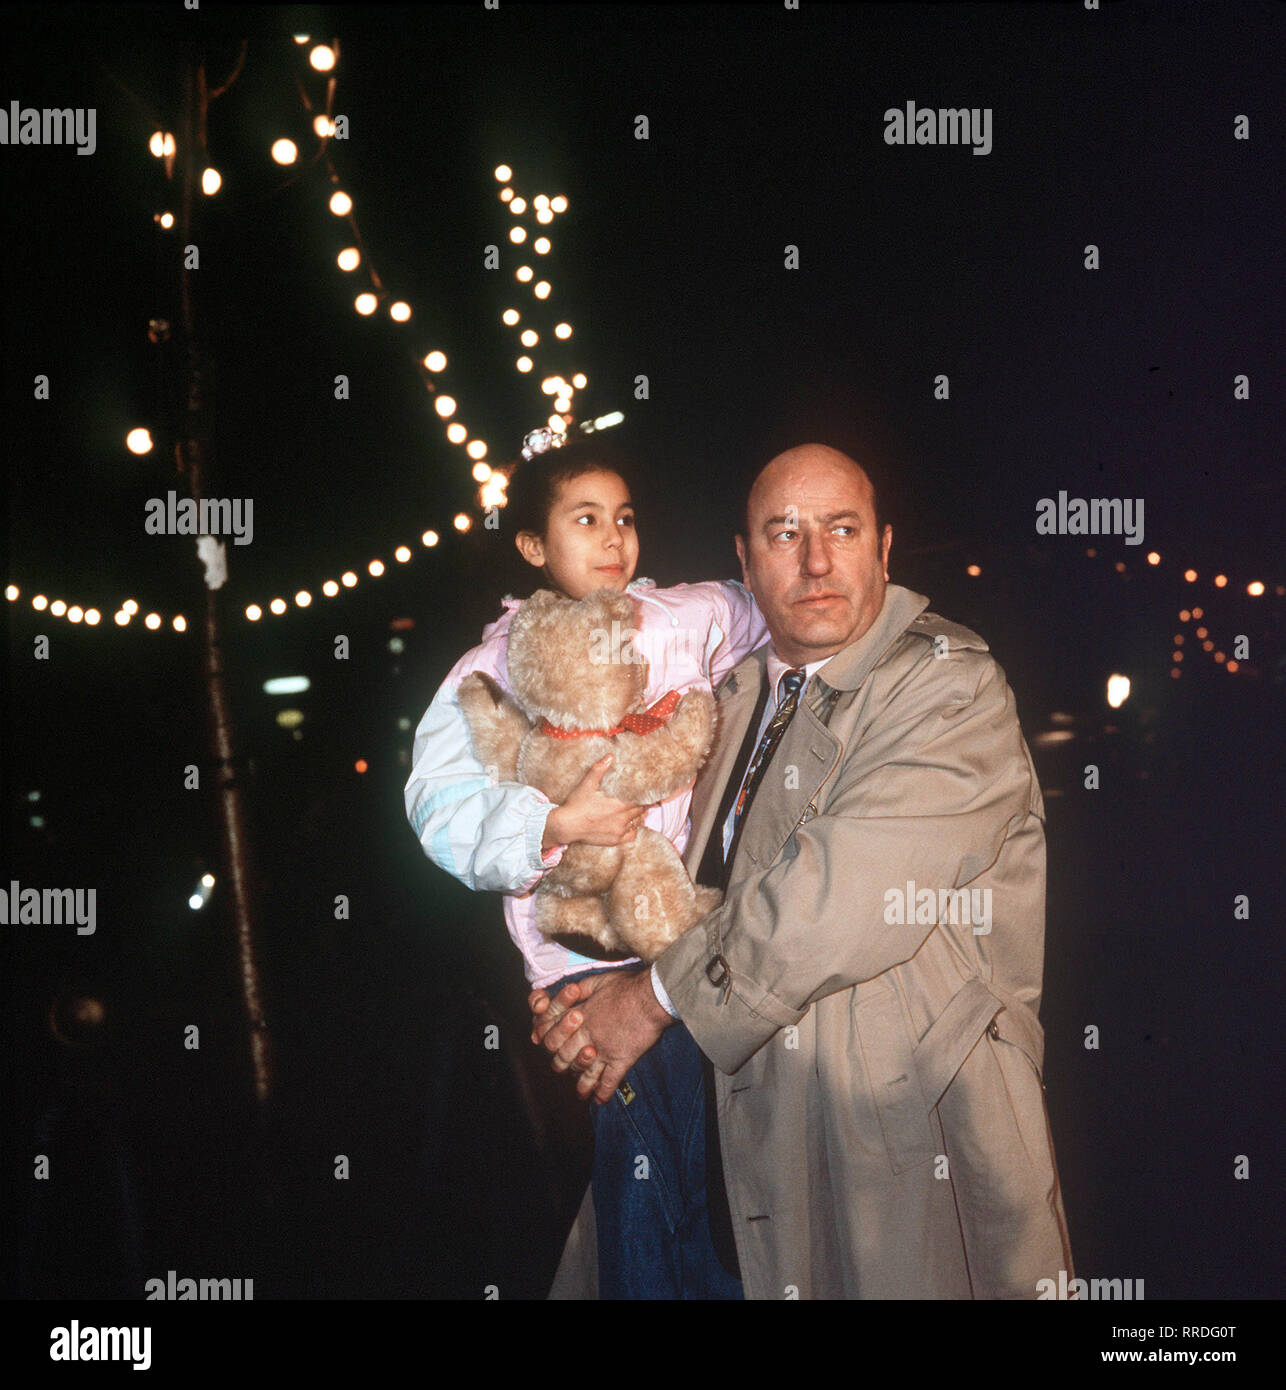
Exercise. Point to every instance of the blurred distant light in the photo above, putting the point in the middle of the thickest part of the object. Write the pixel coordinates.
(1179, 639)
(375, 568)
(477, 448)
(541, 246)
(1175, 673)
(348, 579)
(300, 38)
(529, 337)
(33, 796)
(1176, 655)
(510, 316)
(503, 173)
(360, 765)
(402, 554)
(1190, 576)
(1153, 558)
(481, 472)
(93, 617)
(517, 206)
(1091, 552)
(551, 384)
(303, 598)
(1202, 632)
(349, 258)
(278, 606)
(436, 361)
(524, 273)
(284, 151)
(400, 311)
(1255, 588)
(1052, 737)
(1207, 646)
(121, 617)
(211, 182)
(1184, 615)
(461, 522)
(429, 538)
(330, 588)
(254, 612)
(166, 219)
(138, 441)
(196, 901)
(180, 622)
(541, 291)
(286, 685)
(558, 204)
(130, 607)
(605, 422)
(57, 608)
(524, 364)
(445, 406)
(563, 330)
(563, 403)
(157, 144)
(396, 645)
(1198, 612)
(457, 433)
(580, 381)
(365, 304)
(506, 194)
(544, 217)
(1120, 567)
(36, 822)
(1220, 658)
(11, 592)
(556, 422)
(973, 571)
(403, 722)
(75, 613)
(1118, 690)
(541, 200)
(289, 718)
(1221, 581)
(322, 58)
(340, 204)
(323, 127)
(1233, 666)
(517, 235)
(207, 880)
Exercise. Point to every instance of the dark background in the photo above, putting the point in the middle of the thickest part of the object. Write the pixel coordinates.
(1113, 128)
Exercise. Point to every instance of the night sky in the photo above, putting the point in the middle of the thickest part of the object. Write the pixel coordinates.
(1113, 128)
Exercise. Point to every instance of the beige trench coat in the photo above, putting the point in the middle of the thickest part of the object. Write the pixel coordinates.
(879, 1093)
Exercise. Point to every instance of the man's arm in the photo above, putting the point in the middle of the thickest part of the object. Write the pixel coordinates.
(928, 796)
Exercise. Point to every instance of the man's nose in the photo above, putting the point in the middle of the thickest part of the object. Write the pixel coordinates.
(815, 558)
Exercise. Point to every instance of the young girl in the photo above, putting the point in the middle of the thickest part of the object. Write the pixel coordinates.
(573, 522)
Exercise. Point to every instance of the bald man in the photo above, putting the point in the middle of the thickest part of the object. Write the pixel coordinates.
(867, 995)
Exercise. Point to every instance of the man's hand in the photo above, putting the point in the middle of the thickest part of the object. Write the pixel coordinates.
(603, 1036)
(589, 816)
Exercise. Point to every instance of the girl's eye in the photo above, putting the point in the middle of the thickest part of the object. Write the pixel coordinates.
(625, 521)
(587, 517)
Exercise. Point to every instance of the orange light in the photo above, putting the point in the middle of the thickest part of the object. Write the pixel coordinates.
(1255, 588)
(974, 571)
(1153, 558)
(1232, 666)
(1190, 576)
(1201, 632)
(1175, 673)
(360, 765)
(1220, 658)
(1221, 581)
(1207, 646)
(1198, 612)
(1178, 639)
(1184, 615)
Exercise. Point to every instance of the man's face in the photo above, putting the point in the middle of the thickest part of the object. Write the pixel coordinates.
(811, 557)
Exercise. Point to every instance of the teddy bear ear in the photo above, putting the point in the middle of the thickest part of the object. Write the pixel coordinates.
(542, 598)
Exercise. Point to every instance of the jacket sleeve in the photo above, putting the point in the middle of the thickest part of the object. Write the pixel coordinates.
(483, 832)
(929, 793)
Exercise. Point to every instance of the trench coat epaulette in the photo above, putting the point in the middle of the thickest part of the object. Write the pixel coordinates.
(959, 637)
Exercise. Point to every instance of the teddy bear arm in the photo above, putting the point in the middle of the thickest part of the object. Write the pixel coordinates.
(497, 727)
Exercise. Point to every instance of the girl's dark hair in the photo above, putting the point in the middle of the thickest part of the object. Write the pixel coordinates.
(533, 485)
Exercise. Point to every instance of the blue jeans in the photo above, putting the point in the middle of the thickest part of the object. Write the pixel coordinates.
(649, 1181)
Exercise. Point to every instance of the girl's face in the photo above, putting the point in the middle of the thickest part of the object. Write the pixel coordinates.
(590, 541)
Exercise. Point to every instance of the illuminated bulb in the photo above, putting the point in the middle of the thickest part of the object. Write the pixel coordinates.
(375, 568)
(477, 449)
(1153, 558)
(524, 273)
(524, 364)
(1232, 666)
(300, 38)
(360, 765)
(544, 217)
(510, 316)
(207, 880)
(121, 618)
(1179, 639)
(563, 330)
(284, 151)
(167, 220)
(139, 441)
(503, 173)
(1118, 690)
(541, 291)
(445, 406)
(364, 304)
(1120, 567)
(481, 472)
(75, 613)
(322, 58)
(348, 579)
(129, 606)
(517, 206)
(1176, 656)
(323, 127)
(57, 608)
(541, 246)
(436, 361)
(278, 606)
(399, 311)
(1203, 632)
(11, 592)
(550, 385)
(180, 623)
(330, 588)
(1220, 580)
(460, 522)
(1184, 615)
(555, 422)
(1190, 576)
(541, 200)
(93, 617)
(157, 143)
(341, 204)
(1207, 646)
(349, 258)
(563, 404)
(303, 598)
(457, 433)
(211, 182)
(529, 337)
(429, 538)
(558, 204)
(152, 621)
(1255, 588)
(1220, 658)
(168, 147)
(1175, 673)
(1198, 613)
(517, 235)
(506, 194)
(973, 571)
(254, 612)
(195, 901)
(402, 554)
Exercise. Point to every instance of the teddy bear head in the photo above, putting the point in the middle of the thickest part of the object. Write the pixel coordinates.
(572, 661)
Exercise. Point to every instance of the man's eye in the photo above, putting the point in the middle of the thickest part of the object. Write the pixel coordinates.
(785, 535)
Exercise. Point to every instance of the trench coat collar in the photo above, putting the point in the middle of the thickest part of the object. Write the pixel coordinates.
(848, 668)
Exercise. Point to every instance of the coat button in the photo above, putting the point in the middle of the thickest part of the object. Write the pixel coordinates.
(993, 1030)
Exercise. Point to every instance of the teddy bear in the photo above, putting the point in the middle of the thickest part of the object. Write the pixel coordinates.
(578, 693)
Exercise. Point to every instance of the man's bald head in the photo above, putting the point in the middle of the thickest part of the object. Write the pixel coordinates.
(814, 454)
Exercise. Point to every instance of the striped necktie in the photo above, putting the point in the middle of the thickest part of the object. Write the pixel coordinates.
(791, 683)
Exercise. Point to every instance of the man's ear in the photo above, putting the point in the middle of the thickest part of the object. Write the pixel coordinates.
(531, 548)
(885, 547)
(740, 543)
